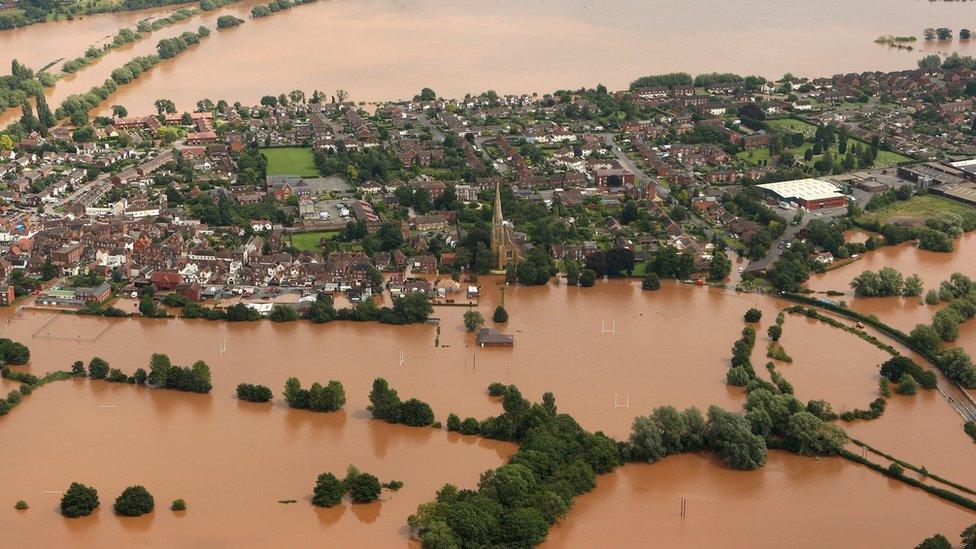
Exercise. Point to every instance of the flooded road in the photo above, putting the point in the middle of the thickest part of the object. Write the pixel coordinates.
(383, 50)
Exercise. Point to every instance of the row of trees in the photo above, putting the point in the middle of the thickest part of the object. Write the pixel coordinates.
(887, 282)
(162, 374)
(928, 338)
(126, 36)
(253, 393)
(77, 106)
(385, 404)
(361, 487)
(171, 47)
(413, 308)
(81, 500)
(317, 398)
(228, 21)
(265, 10)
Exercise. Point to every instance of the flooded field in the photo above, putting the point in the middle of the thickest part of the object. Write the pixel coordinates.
(608, 353)
(382, 50)
(903, 312)
(791, 502)
(231, 461)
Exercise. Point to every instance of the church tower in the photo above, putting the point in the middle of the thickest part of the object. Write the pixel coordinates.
(503, 246)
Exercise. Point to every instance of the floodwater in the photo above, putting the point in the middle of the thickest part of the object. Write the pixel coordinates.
(932, 267)
(791, 502)
(608, 353)
(383, 49)
(231, 461)
(38, 45)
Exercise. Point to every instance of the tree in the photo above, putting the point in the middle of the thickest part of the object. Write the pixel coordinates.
(228, 21)
(253, 393)
(416, 413)
(969, 537)
(651, 282)
(473, 320)
(427, 94)
(412, 309)
(295, 396)
(572, 273)
(731, 436)
(283, 313)
(937, 541)
(45, 118)
(390, 237)
(907, 385)
(500, 315)
(147, 307)
(13, 352)
(775, 332)
(134, 501)
(27, 119)
(384, 401)
(811, 436)
(720, 266)
(79, 501)
(178, 505)
(925, 337)
(753, 315)
(587, 278)
(328, 491)
(362, 487)
(164, 106)
(159, 369)
(330, 398)
(913, 286)
(98, 368)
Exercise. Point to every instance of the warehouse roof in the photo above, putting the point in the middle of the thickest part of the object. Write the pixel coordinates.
(803, 189)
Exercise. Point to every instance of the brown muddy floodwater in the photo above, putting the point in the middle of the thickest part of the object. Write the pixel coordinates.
(38, 45)
(791, 502)
(382, 49)
(905, 312)
(608, 353)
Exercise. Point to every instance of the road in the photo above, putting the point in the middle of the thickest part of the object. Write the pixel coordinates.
(479, 145)
(776, 249)
(629, 164)
(426, 122)
(81, 190)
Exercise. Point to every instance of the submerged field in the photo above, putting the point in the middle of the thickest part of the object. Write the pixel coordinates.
(608, 353)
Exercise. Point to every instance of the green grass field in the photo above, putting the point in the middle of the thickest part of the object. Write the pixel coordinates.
(291, 161)
(886, 159)
(919, 208)
(310, 241)
(793, 125)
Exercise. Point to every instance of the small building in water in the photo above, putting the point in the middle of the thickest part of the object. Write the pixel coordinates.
(489, 337)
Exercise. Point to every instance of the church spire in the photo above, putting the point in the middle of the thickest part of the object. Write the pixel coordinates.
(498, 218)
